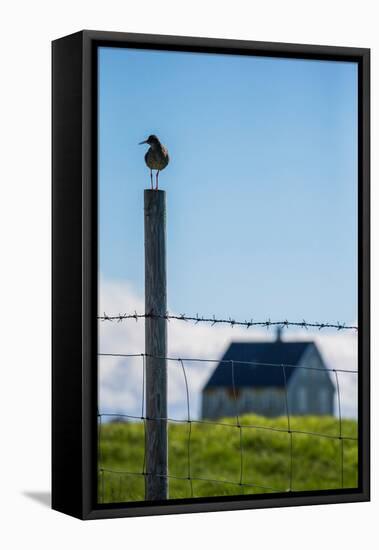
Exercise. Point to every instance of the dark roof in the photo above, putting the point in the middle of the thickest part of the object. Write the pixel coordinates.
(278, 353)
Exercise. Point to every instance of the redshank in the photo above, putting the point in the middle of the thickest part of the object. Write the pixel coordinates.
(156, 157)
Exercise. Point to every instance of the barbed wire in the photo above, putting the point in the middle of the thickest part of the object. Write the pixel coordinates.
(229, 321)
(238, 424)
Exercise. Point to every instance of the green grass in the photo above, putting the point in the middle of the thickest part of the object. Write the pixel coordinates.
(215, 454)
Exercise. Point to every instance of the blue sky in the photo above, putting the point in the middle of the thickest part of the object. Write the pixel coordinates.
(261, 187)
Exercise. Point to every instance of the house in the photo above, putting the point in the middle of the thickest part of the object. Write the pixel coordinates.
(260, 384)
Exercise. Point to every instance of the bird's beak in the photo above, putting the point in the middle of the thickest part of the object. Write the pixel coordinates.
(142, 142)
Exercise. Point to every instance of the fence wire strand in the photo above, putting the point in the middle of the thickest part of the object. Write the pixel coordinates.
(237, 424)
(226, 321)
(290, 432)
(253, 363)
(143, 418)
(189, 428)
(340, 427)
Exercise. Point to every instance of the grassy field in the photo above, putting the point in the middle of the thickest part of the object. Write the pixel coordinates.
(216, 454)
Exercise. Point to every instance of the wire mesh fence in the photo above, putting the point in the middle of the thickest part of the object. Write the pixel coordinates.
(339, 441)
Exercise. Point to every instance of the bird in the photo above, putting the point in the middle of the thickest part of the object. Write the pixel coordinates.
(156, 158)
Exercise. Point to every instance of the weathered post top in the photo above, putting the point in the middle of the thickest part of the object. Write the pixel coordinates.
(155, 199)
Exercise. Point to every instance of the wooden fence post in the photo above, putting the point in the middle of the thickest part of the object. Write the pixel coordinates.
(156, 345)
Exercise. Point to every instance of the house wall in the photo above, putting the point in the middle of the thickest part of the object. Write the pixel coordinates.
(311, 391)
(221, 402)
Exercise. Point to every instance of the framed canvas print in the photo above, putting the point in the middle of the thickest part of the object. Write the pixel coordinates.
(210, 275)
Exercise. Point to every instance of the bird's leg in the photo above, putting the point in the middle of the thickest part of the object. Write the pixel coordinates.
(151, 179)
(156, 180)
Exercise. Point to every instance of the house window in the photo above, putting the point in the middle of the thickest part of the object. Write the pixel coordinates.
(302, 399)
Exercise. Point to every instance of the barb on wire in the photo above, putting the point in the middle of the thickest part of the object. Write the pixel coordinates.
(230, 321)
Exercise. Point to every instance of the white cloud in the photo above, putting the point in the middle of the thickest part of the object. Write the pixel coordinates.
(120, 379)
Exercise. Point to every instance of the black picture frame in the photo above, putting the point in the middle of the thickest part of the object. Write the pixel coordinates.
(74, 273)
